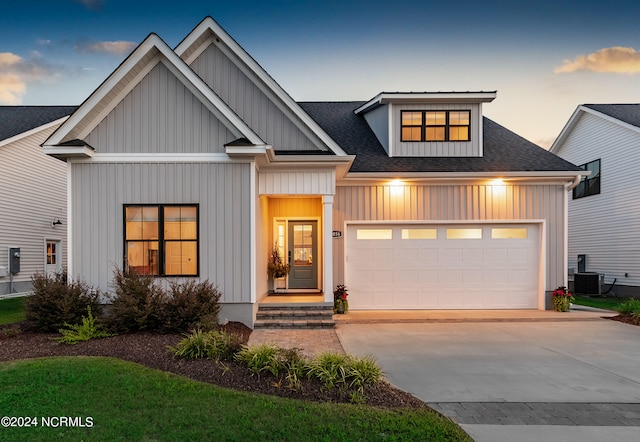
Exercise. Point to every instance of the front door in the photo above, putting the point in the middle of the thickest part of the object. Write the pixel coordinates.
(303, 254)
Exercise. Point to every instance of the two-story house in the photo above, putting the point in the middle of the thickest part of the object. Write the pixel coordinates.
(604, 213)
(194, 162)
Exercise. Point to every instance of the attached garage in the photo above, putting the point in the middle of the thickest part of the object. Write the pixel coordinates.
(443, 266)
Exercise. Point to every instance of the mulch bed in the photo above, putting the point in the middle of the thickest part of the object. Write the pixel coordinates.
(627, 319)
(150, 349)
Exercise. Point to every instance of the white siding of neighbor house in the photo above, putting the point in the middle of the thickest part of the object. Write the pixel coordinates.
(451, 203)
(259, 110)
(32, 193)
(437, 149)
(160, 115)
(606, 227)
(99, 191)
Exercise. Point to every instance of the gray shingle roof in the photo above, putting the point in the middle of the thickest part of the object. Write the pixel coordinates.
(504, 151)
(629, 113)
(15, 120)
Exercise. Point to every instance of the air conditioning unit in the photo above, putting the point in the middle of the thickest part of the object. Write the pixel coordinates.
(586, 283)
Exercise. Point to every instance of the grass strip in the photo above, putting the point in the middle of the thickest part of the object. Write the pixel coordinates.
(127, 401)
(12, 310)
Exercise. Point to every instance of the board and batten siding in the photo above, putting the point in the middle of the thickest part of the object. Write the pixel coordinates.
(451, 203)
(298, 183)
(33, 189)
(437, 149)
(160, 115)
(606, 227)
(222, 191)
(260, 111)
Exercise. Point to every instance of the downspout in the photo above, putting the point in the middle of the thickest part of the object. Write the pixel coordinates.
(573, 184)
(565, 268)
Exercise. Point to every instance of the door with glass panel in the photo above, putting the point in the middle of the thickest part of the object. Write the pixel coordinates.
(302, 254)
(53, 256)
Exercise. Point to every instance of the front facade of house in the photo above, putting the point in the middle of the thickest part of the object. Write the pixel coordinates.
(193, 162)
(604, 213)
(33, 189)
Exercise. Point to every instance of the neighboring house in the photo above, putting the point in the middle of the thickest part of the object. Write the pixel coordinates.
(604, 211)
(33, 196)
(194, 162)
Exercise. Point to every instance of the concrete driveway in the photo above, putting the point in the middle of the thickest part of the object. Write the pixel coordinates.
(577, 380)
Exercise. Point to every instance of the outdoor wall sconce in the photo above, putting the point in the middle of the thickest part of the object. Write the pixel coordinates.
(56, 222)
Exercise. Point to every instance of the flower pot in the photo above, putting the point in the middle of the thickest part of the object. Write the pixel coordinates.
(562, 304)
(340, 308)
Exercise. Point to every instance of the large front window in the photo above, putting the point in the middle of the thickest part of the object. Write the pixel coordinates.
(591, 184)
(435, 125)
(162, 240)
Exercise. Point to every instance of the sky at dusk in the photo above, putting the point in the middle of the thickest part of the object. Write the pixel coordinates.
(544, 58)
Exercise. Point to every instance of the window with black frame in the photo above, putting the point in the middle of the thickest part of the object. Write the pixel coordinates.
(429, 126)
(161, 240)
(589, 185)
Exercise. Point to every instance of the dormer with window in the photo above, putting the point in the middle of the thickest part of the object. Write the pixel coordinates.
(428, 124)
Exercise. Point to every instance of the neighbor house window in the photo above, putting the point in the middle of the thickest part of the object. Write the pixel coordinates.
(591, 184)
(435, 125)
(161, 240)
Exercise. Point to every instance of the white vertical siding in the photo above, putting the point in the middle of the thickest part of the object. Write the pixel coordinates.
(297, 183)
(258, 110)
(160, 115)
(455, 203)
(606, 227)
(32, 192)
(438, 149)
(100, 190)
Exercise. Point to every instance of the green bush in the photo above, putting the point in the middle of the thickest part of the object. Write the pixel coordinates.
(191, 304)
(82, 332)
(346, 372)
(138, 303)
(212, 344)
(57, 301)
(630, 307)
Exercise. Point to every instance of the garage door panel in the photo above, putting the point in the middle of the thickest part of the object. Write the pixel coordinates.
(412, 270)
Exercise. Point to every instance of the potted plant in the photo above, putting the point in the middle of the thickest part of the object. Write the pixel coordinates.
(277, 268)
(561, 299)
(340, 303)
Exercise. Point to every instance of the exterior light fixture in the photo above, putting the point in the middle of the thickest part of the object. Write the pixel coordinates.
(56, 222)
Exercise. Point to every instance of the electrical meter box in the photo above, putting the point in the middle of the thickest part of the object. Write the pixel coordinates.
(14, 260)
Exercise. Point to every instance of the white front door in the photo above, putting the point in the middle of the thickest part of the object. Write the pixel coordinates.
(53, 256)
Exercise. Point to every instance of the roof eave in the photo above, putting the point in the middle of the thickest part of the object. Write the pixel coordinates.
(427, 97)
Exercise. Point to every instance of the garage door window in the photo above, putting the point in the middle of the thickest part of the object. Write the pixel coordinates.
(374, 234)
(509, 233)
(419, 234)
(464, 233)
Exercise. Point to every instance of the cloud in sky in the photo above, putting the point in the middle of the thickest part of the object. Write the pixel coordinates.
(15, 73)
(619, 60)
(109, 47)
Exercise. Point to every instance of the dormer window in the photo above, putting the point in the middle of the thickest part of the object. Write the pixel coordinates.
(421, 126)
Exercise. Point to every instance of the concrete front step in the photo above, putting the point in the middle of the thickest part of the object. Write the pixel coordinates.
(298, 316)
(295, 324)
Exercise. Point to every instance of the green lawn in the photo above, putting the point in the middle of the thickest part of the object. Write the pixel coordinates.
(605, 303)
(126, 401)
(12, 310)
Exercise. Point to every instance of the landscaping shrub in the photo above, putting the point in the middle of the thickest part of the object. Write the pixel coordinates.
(138, 303)
(212, 344)
(73, 334)
(191, 304)
(630, 307)
(57, 301)
(346, 372)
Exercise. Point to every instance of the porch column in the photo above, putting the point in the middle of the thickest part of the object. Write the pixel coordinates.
(327, 247)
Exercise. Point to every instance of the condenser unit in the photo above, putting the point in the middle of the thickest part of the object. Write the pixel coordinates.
(586, 283)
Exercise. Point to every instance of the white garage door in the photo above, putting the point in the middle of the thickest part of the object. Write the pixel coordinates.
(471, 266)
